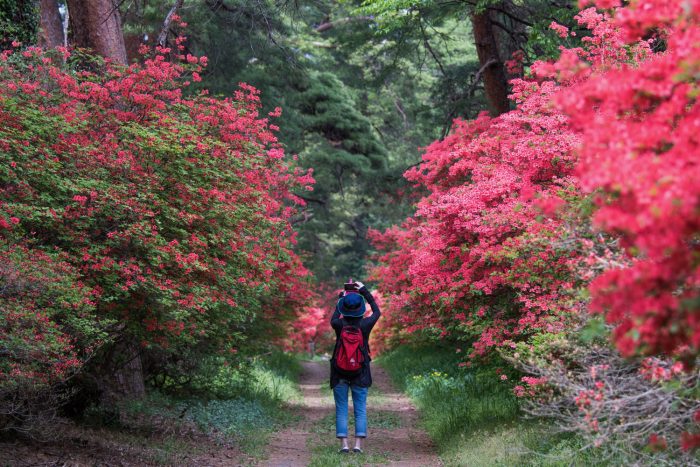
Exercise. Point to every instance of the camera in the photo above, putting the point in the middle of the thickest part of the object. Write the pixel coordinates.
(350, 286)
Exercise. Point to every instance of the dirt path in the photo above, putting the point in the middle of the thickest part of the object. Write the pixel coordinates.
(394, 437)
(408, 444)
(288, 447)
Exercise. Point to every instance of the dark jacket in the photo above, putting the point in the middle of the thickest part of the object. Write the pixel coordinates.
(364, 379)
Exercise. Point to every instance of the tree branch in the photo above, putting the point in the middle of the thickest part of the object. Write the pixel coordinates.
(325, 26)
(312, 200)
(430, 49)
(163, 36)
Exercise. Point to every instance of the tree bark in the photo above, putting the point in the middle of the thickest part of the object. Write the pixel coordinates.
(494, 73)
(96, 24)
(121, 376)
(51, 27)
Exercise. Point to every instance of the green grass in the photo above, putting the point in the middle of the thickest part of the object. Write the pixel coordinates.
(520, 443)
(171, 451)
(384, 419)
(472, 415)
(453, 401)
(326, 455)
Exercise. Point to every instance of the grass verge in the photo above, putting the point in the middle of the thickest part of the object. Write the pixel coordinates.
(472, 415)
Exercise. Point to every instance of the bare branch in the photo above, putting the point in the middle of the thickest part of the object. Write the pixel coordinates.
(594, 392)
(312, 200)
(163, 36)
(429, 48)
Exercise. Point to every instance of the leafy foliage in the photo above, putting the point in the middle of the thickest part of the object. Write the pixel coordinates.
(477, 247)
(356, 126)
(18, 22)
(482, 243)
(128, 209)
(638, 155)
(241, 405)
(347, 157)
(48, 324)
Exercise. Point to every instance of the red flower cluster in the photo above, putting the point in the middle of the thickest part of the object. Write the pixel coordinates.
(638, 120)
(311, 329)
(485, 257)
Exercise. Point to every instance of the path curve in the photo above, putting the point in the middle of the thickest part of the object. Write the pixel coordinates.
(405, 445)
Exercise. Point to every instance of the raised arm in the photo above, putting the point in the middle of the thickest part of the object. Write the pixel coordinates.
(376, 312)
(336, 322)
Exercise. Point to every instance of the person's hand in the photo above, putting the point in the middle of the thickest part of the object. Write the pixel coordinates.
(359, 285)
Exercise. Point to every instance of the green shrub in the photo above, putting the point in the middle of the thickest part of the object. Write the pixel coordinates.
(131, 212)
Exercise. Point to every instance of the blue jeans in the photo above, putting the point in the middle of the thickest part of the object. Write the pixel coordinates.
(359, 405)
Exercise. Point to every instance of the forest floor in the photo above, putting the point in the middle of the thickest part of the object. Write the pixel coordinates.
(394, 436)
(81, 446)
(307, 439)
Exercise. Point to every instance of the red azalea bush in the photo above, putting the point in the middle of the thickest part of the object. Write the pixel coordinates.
(504, 246)
(638, 122)
(311, 329)
(386, 333)
(484, 258)
(130, 209)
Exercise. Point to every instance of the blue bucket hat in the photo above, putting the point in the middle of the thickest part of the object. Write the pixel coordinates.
(352, 305)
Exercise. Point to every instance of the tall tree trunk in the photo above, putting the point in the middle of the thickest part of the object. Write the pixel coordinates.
(494, 73)
(51, 27)
(96, 24)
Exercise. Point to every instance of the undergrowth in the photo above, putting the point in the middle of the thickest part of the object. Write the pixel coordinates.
(242, 406)
(472, 415)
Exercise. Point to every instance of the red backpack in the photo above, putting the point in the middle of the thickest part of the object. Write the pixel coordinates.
(349, 351)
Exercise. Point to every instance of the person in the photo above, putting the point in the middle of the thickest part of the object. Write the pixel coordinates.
(349, 311)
